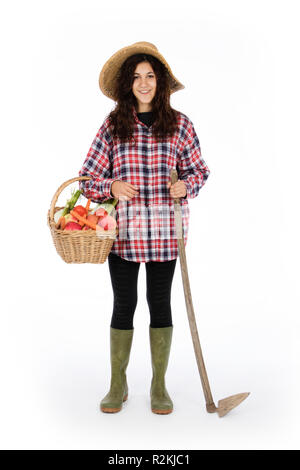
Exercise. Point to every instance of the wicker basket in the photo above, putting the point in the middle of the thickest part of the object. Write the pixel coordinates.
(86, 246)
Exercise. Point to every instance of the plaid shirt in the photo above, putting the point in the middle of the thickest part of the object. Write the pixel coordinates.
(146, 223)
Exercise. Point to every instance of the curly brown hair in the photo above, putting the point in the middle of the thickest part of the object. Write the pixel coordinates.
(165, 117)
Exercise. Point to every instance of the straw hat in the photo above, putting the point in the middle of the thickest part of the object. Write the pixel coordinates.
(110, 71)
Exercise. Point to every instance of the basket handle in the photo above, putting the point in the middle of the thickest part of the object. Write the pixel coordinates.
(61, 188)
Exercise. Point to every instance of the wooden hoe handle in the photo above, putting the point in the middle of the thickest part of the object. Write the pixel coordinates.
(210, 406)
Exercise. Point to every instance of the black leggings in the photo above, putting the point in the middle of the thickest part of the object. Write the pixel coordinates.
(124, 277)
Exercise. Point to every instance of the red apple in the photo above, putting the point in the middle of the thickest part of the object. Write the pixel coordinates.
(72, 226)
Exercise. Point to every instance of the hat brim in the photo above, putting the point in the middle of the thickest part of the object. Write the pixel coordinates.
(110, 71)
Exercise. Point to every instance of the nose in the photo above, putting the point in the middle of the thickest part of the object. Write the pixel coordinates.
(144, 80)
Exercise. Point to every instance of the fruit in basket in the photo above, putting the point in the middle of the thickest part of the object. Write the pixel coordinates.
(72, 226)
(101, 212)
(80, 210)
(107, 222)
(75, 221)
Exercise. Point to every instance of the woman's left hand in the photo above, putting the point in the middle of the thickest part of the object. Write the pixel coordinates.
(177, 189)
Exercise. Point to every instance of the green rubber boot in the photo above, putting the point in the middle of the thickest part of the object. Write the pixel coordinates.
(120, 346)
(160, 343)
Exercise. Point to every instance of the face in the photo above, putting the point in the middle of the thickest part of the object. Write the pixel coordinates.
(144, 80)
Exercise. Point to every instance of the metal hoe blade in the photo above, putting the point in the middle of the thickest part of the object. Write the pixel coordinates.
(227, 404)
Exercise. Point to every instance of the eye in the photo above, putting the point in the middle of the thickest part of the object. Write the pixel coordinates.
(150, 76)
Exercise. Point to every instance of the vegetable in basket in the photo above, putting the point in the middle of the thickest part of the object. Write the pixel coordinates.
(71, 202)
(97, 218)
(107, 206)
(92, 221)
(75, 194)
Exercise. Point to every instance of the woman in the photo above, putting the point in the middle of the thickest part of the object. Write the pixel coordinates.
(130, 159)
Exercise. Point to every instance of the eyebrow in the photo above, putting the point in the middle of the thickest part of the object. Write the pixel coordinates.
(135, 73)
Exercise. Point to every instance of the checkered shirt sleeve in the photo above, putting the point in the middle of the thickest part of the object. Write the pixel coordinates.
(192, 168)
(97, 165)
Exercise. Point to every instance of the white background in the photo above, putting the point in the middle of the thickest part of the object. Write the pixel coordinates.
(239, 62)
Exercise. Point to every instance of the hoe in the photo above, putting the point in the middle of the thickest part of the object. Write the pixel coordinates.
(226, 404)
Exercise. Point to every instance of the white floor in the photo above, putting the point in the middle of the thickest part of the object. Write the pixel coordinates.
(55, 370)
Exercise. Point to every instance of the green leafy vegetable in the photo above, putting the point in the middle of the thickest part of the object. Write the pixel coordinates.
(72, 201)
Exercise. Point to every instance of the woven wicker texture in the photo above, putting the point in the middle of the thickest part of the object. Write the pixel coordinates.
(88, 246)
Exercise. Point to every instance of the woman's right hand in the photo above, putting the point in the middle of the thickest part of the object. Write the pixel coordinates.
(123, 191)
